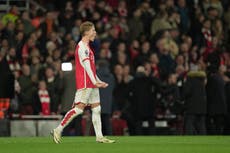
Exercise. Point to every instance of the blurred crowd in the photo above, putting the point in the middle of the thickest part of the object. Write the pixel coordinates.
(165, 60)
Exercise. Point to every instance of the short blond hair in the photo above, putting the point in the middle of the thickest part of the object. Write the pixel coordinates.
(85, 26)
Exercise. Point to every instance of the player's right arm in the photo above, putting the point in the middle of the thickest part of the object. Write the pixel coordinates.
(101, 84)
(98, 84)
(85, 62)
(87, 67)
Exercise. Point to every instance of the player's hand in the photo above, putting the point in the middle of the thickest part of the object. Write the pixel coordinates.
(101, 85)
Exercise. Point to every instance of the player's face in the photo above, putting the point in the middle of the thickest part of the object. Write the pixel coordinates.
(92, 34)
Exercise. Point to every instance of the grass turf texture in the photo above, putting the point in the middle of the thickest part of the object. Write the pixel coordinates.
(140, 144)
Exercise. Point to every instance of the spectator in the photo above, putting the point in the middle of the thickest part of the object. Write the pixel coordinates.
(170, 5)
(9, 32)
(160, 23)
(6, 79)
(11, 16)
(54, 87)
(127, 74)
(27, 91)
(184, 50)
(174, 106)
(10, 71)
(226, 22)
(75, 30)
(36, 66)
(217, 106)
(218, 30)
(120, 89)
(194, 94)
(213, 7)
(183, 10)
(105, 52)
(106, 96)
(196, 26)
(38, 19)
(121, 103)
(154, 61)
(227, 124)
(207, 36)
(19, 41)
(166, 62)
(120, 56)
(66, 20)
(41, 100)
(174, 18)
(12, 61)
(170, 44)
(142, 96)
(4, 46)
(143, 56)
(122, 8)
(28, 27)
(119, 125)
(147, 14)
(27, 47)
(136, 26)
(134, 50)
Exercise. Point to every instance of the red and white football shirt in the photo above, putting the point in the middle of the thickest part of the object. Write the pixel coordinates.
(84, 52)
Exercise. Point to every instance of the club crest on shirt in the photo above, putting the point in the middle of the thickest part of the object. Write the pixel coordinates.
(86, 52)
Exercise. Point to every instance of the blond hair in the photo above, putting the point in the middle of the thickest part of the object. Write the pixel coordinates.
(85, 26)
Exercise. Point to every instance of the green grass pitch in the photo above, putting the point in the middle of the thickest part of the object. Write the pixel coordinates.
(124, 144)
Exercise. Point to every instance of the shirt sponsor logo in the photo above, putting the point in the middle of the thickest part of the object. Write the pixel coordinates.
(86, 52)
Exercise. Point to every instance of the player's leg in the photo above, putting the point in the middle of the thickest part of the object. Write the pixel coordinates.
(81, 97)
(96, 119)
(70, 115)
(96, 116)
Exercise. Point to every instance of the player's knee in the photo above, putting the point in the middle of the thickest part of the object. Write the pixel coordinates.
(96, 110)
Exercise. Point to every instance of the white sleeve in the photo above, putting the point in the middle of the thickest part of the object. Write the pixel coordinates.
(89, 71)
(84, 59)
(98, 80)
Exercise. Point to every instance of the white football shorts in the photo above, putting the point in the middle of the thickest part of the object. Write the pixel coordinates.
(87, 96)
